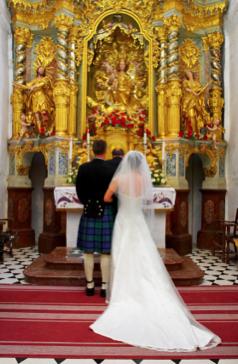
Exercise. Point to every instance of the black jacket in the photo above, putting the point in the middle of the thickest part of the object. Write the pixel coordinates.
(92, 182)
(114, 163)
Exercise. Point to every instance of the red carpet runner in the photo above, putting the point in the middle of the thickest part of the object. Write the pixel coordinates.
(38, 321)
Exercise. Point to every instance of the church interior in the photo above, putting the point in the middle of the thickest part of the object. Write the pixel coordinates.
(157, 76)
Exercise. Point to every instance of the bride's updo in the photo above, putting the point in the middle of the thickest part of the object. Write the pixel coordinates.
(134, 159)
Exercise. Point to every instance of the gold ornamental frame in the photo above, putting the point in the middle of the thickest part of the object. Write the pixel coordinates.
(84, 84)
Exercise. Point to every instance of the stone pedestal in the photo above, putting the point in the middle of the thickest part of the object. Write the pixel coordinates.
(19, 213)
(178, 237)
(53, 234)
(64, 267)
(213, 210)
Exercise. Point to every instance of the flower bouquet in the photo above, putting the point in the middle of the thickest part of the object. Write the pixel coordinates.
(157, 176)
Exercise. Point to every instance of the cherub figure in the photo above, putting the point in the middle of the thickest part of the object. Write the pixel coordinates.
(215, 131)
(27, 125)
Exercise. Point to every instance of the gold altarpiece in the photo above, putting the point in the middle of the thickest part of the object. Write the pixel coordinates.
(141, 74)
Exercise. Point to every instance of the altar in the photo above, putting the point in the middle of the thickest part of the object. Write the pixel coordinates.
(66, 200)
(141, 75)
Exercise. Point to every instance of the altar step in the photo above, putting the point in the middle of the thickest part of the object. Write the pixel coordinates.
(61, 268)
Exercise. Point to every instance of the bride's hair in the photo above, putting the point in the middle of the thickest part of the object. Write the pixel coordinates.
(134, 159)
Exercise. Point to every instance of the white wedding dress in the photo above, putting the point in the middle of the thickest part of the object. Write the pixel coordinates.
(145, 308)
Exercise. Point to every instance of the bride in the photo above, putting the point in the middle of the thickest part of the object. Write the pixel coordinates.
(144, 308)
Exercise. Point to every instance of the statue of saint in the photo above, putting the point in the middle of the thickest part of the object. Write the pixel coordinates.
(193, 103)
(39, 97)
(122, 86)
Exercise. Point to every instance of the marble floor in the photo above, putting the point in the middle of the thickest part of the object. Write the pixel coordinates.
(115, 361)
(216, 273)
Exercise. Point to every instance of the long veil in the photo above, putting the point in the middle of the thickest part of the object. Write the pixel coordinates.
(133, 181)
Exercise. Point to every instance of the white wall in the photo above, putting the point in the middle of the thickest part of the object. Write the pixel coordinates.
(5, 108)
(231, 106)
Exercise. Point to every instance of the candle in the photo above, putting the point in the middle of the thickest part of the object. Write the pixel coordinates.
(145, 138)
(163, 151)
(88, 136)
(88, 144)
(71, 149)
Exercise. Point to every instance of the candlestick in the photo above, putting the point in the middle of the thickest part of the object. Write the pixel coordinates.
(71, 149)
(163, 151)
(145, 141)
(163, 156)
(88, 144)
(145, 138)
(88, 136)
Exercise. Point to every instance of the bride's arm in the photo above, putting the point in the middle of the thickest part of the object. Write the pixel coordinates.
(110, 191)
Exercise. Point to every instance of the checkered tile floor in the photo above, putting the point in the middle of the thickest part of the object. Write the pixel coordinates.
(115, 361)
(216, 272)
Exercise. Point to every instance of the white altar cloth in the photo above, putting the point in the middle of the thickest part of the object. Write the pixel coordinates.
(66, 200)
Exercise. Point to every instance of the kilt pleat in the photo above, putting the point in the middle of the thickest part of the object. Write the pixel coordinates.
(95, 234)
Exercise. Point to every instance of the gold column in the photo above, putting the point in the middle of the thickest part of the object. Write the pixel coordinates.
(174, 91)
(61, 90)
(216, 102)
(72, 80)
(162, 79)
(23, 39)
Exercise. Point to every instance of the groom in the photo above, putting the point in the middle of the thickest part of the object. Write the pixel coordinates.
(96, 223)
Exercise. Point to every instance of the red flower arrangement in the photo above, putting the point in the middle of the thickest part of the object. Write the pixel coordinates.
(118, 119)
(140, 132)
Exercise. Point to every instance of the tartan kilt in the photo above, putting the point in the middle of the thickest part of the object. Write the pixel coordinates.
(95, 234)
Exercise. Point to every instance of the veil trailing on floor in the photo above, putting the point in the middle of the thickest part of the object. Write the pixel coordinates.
(140, 289)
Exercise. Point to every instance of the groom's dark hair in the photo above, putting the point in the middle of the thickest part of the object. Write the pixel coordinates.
(99, 147)
(118, 152)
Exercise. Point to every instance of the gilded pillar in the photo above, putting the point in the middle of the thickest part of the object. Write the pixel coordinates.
(23, 38)
(72, 82)
(215, 41)
(162, 80)
(61, 90)
(174, 85)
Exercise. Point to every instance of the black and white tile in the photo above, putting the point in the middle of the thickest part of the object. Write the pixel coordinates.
(11, 270)
(216, 271)
(114, 361)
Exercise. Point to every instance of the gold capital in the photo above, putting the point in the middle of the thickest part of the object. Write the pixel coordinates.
(172, 22)
(161, 32)
(63, 22)
(23, 36)
(215, 39)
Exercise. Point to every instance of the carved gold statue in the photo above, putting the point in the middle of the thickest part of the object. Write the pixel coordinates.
(119, 72)
(27, 125)
(193, 103)
(38, 98)
(215, 131)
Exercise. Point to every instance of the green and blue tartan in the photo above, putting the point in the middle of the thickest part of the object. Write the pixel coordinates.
(95, 234)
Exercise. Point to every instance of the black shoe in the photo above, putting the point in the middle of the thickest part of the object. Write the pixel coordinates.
(103, 292)
(89, 291)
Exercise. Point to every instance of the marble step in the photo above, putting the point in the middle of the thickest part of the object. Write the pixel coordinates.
(39, 273)
(63, 258)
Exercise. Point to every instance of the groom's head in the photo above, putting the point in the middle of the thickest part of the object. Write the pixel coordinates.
(117, 153)
(99, 148)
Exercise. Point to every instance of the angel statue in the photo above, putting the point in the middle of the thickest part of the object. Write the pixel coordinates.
(193, 102)
(38, 98)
